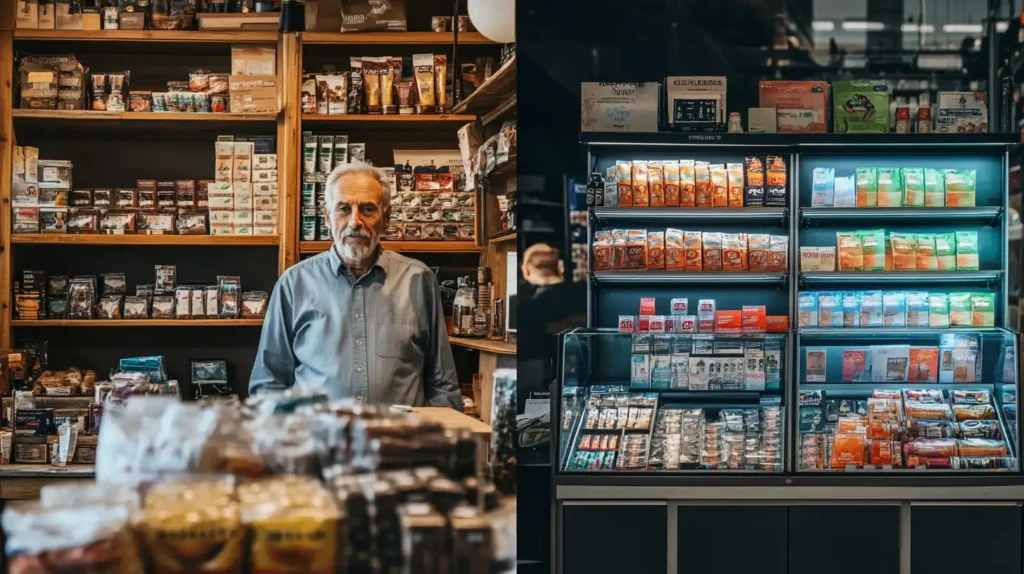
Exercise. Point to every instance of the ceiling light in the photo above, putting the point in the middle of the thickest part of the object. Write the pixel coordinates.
(915, 28)
(1002, 26)
(823, 25)
(863, 26)
(962, 28)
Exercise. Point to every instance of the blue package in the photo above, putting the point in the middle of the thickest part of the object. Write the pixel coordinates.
(871, 309)
(851, 309)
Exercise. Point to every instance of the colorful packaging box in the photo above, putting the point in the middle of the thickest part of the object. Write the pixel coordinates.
(800, 107)
(860, 106)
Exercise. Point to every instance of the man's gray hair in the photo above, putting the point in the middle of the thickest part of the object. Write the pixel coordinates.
(359, 167)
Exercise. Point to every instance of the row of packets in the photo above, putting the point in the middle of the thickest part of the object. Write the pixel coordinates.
(675, 249)
(694, 183)
(897, 309)
(895, 187)
(877, 251)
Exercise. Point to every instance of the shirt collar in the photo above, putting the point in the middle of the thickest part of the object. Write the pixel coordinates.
(382, 262)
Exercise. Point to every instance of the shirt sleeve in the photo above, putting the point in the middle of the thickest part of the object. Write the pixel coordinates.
(441, 383)
(275, 361)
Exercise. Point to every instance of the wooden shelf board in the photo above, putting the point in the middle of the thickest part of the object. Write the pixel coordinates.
(97, 239)
(166, 36)
(89, 115)
(393, 38)
(137, 323)
(403, 246)
(393, 121)
(492, 93)
(452, 419)
(486, 345)
(502, 238)
(501, 111)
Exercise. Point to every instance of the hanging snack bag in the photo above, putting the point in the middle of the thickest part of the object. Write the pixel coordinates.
(983, 310)
(888, 254)
(656, 183)
(960, 309)
(719, 186)
(913, 187)
(655, 249)
(945, 251)
(967, 250)
(960, 187)
(934, 188)
(775, 193)
(712, 251)
(757, 254)
(927, 260)
(671, 169)
(687, 183)
(867, 187)
(938, 310)
(692, 251)
(904, 251)
(703, 186)
(624, 175)
(890, 187)
(851, 253)
(674, 250)
(778, 253)
(873, 247)
(735, 184)
(734, 252)
(641, 191)
(754, 189)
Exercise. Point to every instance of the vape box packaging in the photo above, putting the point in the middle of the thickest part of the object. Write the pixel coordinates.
(762, 121)
(860, 106)
(962, 112)
(801, 107)
(695, 102)
(627, 107)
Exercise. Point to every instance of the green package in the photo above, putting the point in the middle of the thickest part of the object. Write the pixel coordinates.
(967, 250)
(927, 259)
(873, 249)
(960, 187)
(945, 251)
(890, 187)
(983, 310)
(934, 188)
(867, 187)
(960, 309)
(913, 186)
(860, 106)
(938, 310)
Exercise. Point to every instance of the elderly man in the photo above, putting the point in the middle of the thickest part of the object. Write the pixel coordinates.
(358, 321)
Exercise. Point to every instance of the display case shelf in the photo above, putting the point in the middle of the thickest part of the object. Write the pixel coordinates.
(926, 215)
(150, 36)
(137, 323)
(403, 246)
(393, 38)
(98, 239)
(805, 141)
(706, 277)
(890, 332)
(910, 277)
(392, 122)
(630, 214)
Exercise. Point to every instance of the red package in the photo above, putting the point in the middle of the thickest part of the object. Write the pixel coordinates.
(728, 322)
(932, 447)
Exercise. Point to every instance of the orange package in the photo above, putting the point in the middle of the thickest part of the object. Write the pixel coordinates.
(886, 453)
(602, 251)
(671, 183)
(982, 447)
(929, 447)
(888, 255)
(636, 249)
(703, 187)
(692, 251)
(757, 251)
(851, 424)
(712, 251)
(973, 412)
(656, 183)
(755, 318)
(904, 251)
(778, 253)
(848, 449)
(641, 189)
(851, 254)
(777, 323)
(619, 248)
(674, 249)
(924, 365)
(688, 183)
(880, 430)
(735, 174)
(928, 412)
(883, 410)
(624, 177)
(734, 252)
(655, 249)
(728, 322)
(719, 185)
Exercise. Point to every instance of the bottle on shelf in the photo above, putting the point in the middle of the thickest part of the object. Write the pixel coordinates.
(498, 320)
(464, 308)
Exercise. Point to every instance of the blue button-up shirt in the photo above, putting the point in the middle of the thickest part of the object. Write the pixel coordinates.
(379, 339)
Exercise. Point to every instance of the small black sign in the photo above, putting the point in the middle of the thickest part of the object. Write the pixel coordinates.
(695, 111)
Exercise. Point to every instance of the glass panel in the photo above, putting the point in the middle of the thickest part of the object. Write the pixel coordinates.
(904, 399)
(672, 402)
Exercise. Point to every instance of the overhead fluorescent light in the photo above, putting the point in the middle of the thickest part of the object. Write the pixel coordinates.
(823, 25)
(1002, 26)
(863, 26)
(962, 28)
(910, 27)
(940, 62)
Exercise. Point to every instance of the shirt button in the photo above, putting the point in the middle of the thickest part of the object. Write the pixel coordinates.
(358, 315)
(359, 369)
(359, 397)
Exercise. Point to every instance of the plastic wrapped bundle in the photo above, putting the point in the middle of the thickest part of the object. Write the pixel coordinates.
(287, 444)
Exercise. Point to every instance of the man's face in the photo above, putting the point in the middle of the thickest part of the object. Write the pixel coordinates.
(357, 216)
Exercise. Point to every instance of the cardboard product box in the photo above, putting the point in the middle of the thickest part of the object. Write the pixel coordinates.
(221, 217)
(253, 60)
(265, 188)
(243, 229)
(264, 229)
(801, 107)
(242, 201)
(221, 228)
(66, 18)
(27, 14)
(611, 107)
(695, 102)
(47, 15)
(962, 112)
(241, 217)
(261, 161)
(264, 202)
(374, 16)
(860, 106)
(254, 94)
(264, 218)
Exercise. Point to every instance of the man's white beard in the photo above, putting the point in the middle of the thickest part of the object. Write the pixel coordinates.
(356, 251)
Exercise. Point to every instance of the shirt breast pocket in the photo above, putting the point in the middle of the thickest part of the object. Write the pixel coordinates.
(398, 341)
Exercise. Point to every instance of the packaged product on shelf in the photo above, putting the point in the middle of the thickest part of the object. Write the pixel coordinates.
(904, 251)
(729, 322)
(734, 252)
(656, 184)
(602, 251)
(809, 259)
(823, 187)
(894, 309)
(934, 188)
(850, 301)
(674, 249)
(814, 364)
(924, 365)
(623, 171)
(845, 192)
(758, 245)
(860, 106)
(983, 310)
(890, 187)
(687, 183)
(830, 310)
(641, 362)
(918, 309)
(655, 250)
(808, 309)
(735, 182)
(851, 252)
(938, 310)
(890, 363)
(927, 259)
(712, 246)
(719, 185)
(967, 250)
(754, 189)
(871, 309)
(945, 251)
(671, 183)
(635, 255)
(647, 310)
(913, 186)
(691, 244)
(867, 186)
(855, 366)
(873, 249)
(962, 112)
(702, 174)
(775, 191)
(754, 318)
(641, 185)
(960, 187)
(706, 310)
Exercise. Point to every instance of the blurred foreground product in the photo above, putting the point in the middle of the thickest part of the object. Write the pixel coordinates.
(503, 428)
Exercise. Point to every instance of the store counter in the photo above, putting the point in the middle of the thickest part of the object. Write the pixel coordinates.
(23, 481)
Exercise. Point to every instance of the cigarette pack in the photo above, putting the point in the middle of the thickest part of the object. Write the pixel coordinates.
(264, 217)
(268, 189)
(680, 370)
(814, 364)
(754, 369)
(242, 201)
(855, 366)
(628, 324)
(262, 161)
(641, 371)
(728, 322)
(706, 315)
(773, 363)
(264, 202)
(685, 324)
(264, 230)
(890, 363)
(647, 305)
(754, 318)
(657, 324)
(680, 305)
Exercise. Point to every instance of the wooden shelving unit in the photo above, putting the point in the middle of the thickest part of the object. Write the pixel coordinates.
(489, 96)
(137, 323)
(403, 246)
(96, 239)
(392, 38)
(155, 36)
(502, 238)
(170, 117)
(488, 345)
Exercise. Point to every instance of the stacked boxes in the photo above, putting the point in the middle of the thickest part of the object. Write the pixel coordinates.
(264, 193)
(243, 197)
(320, 155)
(40, 192)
